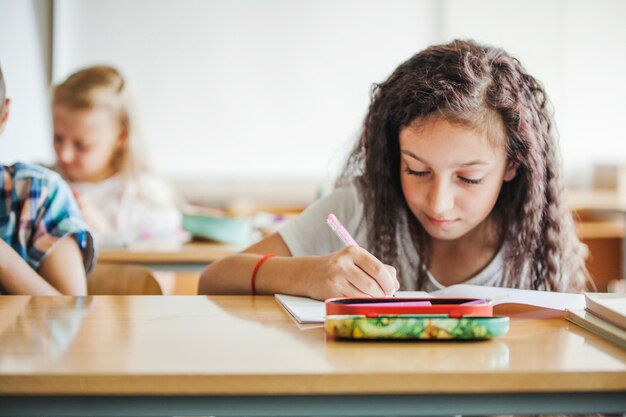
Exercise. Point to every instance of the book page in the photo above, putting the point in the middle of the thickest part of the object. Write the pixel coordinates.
(307, 310)
(609, 306)
(598, 326)
(499, 295)
(303, 309)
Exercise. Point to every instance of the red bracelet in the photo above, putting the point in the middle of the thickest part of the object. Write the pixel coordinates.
(256, 268)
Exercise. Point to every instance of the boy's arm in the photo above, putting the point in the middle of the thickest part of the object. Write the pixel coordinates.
(60, 273)
(63, 268)
(17, 277)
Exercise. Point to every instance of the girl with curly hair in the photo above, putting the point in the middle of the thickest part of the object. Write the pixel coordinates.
(455, 179)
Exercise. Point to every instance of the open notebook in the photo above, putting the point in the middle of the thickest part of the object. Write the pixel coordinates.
(306, 310)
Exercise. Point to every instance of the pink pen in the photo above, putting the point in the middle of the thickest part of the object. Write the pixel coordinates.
(340, 231)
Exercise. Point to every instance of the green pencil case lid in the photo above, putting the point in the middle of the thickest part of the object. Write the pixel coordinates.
(415, 327)
(222, 229)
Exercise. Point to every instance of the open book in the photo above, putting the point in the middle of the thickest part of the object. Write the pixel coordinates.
(604, 315)
(306, 310)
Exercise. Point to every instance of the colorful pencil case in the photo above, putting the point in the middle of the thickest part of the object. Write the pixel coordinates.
(406, 319)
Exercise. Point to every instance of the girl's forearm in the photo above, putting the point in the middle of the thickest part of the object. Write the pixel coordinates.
(279, 274)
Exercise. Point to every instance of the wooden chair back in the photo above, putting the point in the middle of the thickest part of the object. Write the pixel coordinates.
(122, 279)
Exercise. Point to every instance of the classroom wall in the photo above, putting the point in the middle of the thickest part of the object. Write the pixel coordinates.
(247, 91)
(25, 56)
(576, 48)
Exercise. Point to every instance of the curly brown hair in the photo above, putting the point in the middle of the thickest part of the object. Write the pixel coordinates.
(469, 84)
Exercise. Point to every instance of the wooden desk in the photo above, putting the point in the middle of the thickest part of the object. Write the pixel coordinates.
(599, 199)
(192, 256)
(243, 355)
(176, 266)
(606, 238)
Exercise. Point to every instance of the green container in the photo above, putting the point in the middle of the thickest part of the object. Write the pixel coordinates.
(220, 228)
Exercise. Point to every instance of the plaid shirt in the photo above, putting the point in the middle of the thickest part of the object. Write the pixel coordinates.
(37, 210)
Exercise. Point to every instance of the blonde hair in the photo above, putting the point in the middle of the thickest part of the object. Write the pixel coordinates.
(103, 87)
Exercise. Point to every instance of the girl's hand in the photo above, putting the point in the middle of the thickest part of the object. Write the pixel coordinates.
(351, 272)
(92, 216)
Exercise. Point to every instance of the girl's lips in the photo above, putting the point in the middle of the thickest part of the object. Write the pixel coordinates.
(440, 222)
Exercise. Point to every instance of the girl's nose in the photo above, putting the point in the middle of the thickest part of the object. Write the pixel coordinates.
(440, 198)
(65, 153)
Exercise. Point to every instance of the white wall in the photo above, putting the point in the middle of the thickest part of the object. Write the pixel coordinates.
(275, 90)
(245, 90)
(577, 48)
(24, 56)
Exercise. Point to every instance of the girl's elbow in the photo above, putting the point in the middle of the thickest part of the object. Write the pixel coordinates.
(205, 283)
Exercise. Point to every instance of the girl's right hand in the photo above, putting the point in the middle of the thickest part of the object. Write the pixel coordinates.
(351, 272)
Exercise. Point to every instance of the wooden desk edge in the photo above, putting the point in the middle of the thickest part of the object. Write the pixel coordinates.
(460, 383)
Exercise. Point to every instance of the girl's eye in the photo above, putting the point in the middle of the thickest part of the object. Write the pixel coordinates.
(470, 180)
(416, 173)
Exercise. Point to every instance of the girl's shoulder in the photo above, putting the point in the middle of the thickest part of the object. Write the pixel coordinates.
(344, 201)
(345, 198)
(308, 234)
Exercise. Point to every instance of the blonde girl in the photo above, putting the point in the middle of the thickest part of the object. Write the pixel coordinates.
(97, 149)
(455, 179)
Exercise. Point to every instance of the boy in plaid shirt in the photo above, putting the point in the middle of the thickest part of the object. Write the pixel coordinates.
(45, 247)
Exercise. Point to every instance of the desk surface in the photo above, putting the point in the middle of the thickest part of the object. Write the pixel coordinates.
(187, 253)
(248, 345)
(139, 356)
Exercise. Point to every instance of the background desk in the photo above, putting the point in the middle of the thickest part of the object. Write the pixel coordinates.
(182, 264)
(245, 356)
(603, 237)
(188, 257)
(603, 229)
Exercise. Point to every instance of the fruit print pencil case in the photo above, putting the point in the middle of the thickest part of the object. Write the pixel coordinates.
(413, 319)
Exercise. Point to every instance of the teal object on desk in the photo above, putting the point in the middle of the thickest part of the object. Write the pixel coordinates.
(221, 228)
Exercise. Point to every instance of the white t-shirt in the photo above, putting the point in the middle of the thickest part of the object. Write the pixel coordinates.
(138, 209)
(308, 235)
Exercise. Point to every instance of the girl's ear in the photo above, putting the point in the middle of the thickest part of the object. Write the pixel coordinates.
(4, 116)
(511, 171)
(122, 138)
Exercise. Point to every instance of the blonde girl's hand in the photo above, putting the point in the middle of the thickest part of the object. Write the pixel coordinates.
(92, 216)
(351, 272)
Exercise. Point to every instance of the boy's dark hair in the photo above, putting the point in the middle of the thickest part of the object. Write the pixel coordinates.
(2, 90)
(480, 87)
